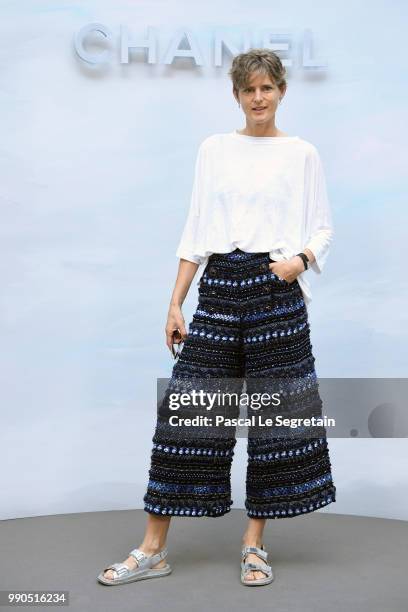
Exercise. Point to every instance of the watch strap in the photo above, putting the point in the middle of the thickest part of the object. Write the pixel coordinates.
(304, 258)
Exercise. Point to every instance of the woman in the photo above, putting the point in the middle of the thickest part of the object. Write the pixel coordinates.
(259, 218)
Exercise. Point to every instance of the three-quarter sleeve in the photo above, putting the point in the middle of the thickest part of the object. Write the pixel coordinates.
(188, 243)
(319, 221)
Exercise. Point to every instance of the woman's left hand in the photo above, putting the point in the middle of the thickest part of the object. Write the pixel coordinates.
(287, 270)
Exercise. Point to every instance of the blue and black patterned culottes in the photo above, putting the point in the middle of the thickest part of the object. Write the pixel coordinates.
(249, 324)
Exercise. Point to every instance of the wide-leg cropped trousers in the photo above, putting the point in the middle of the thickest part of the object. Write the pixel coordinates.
(248, 323)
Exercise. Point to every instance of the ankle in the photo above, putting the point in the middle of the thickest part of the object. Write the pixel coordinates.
(252, 540)
(152, 548)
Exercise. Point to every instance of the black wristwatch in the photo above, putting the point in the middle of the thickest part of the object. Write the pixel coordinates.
(304, 258)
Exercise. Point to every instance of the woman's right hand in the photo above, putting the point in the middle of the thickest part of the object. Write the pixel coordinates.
(175, 327)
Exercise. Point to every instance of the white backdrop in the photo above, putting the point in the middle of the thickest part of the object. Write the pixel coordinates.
(96, 174)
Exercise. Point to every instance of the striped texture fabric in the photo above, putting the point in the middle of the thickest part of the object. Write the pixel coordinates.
(248, 325)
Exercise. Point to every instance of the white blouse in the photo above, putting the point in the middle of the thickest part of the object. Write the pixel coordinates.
(258, 194)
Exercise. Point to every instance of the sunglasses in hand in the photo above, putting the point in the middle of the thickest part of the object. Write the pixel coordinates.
(176, 340)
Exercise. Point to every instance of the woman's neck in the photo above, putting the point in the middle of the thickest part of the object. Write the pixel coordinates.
(268, 131)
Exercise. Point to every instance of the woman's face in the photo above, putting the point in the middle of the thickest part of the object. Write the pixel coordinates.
(262, 93)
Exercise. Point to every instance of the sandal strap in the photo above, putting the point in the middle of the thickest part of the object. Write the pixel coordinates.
(260, 552)
(139, 555)
(247, 567)
(143, 559)
(120, 568)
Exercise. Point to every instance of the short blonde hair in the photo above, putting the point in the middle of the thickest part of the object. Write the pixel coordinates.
(263, 61)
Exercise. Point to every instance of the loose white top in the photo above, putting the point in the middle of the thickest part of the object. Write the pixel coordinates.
(258, 194)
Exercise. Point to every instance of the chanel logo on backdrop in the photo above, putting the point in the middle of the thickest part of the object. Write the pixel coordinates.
(184, 43)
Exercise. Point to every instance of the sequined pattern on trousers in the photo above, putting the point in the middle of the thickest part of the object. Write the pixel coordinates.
(249, 324)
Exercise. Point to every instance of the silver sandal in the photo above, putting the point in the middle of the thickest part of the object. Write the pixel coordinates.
(143, 570)
(250, 567)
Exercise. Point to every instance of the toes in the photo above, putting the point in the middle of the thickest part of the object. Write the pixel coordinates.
(254, 575)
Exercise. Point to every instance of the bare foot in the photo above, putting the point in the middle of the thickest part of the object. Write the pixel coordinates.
(132, 563)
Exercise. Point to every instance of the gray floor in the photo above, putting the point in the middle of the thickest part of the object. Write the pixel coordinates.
(321, 561)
